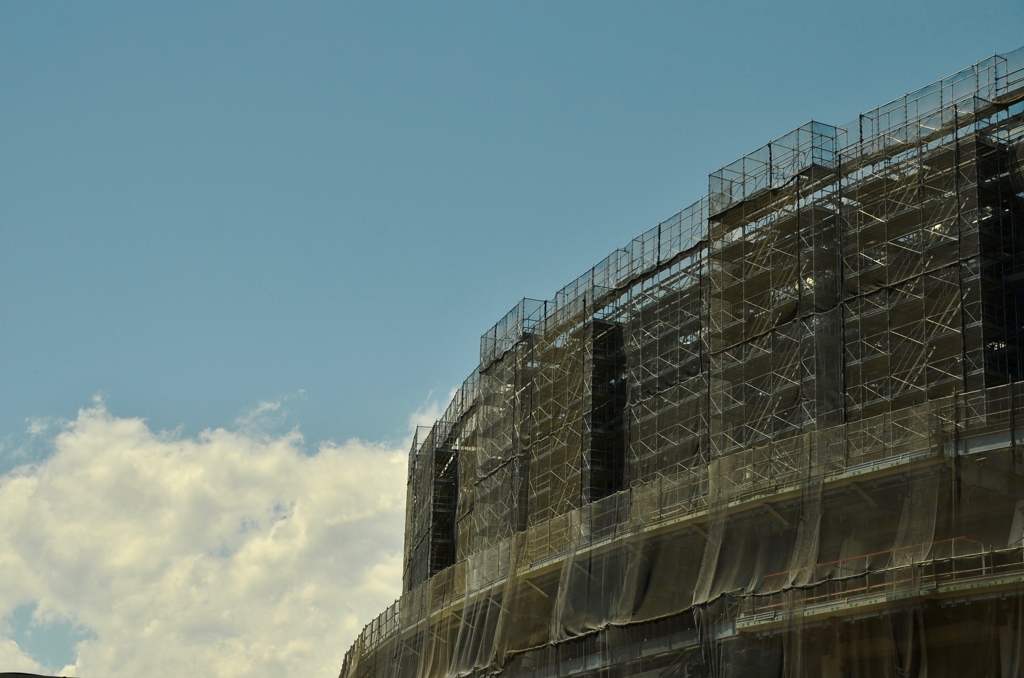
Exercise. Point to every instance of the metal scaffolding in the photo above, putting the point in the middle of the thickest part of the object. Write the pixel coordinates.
(794, 401)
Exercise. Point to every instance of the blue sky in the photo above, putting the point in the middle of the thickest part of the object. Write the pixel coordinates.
(208, 205)
(313, 210)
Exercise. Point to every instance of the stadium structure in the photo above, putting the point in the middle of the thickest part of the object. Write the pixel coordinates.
(778, 434)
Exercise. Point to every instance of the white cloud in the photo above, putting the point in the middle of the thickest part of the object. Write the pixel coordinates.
(13, 659)
(40, 425)
(228, 554)
(267, 416)
(431, 410)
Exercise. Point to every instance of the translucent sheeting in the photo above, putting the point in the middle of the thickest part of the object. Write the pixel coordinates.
(776, 435)
(776, 563)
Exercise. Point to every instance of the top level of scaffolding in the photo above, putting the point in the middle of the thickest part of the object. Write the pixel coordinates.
(813, 151)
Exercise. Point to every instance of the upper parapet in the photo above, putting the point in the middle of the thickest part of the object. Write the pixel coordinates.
(932, 111)
(812, 145)
(814, 150)
(645, 253)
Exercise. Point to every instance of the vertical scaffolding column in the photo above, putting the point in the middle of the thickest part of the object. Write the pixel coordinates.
(667, 381)
(466, 443)
(558, 384)
(996, 210)
(430, 539)
(664, 325)
(444, 499)
(604, 404)
(419, 509)
(501, 475)
(1001, 224)
(772, 307)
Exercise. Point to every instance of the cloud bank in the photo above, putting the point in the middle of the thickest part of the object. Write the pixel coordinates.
(233, 553)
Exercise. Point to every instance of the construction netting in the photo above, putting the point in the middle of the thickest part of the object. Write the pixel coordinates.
(775, 435)
(843, 551)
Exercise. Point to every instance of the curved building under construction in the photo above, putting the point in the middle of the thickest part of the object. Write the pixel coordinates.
(776, 435)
